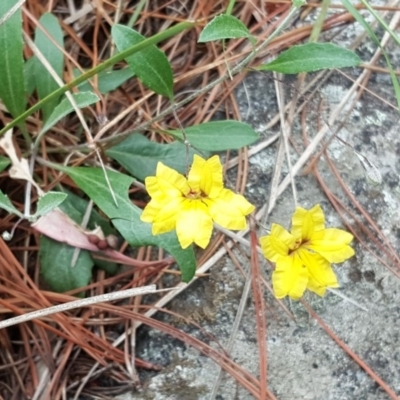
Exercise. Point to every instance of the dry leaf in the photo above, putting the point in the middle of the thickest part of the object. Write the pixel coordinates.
(20, 167)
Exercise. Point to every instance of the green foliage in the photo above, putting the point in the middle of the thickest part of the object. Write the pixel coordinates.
(58, 268)
(225, 27)
(4, 163)
(299, 3)
(75, 207)
(61, 269)
(12, 87)
(29, 76)
(174, 30)
(107, 81)
(139, 155)
(312, 57)
(218, 135)
(45, 83)
(126, 216)
(6, 204)
(65, 107)
(48, 202)
(150, 65)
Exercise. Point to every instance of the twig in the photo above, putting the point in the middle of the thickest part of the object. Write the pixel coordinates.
(80, 303)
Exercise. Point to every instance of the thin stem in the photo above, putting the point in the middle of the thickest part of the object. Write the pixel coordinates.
(101, 67)
(229, 9)
(317, 28)
(138, 9)
(235, 70)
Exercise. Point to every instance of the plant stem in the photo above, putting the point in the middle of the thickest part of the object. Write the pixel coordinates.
(230, 7)
(320, 21)
(101, 67)
(235, 70)
(138, 9)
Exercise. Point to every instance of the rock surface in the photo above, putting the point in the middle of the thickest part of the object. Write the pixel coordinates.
(303, 361)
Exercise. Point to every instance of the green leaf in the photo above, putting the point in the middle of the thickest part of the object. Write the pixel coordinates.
(225, 27)
(312, 57)
(82, 100)
(75, 207)
(29, 75)
(126, 216)
(12, 90)
(107, 266)
(299, 3)
(107, 81)
(4, 163)
(48, 202)
(134, 234)
(163, 35)
(150, 65)
(44, 81)
(56, 258)
(139, 155)
(56, 265)
(6, 204)
(218, 135)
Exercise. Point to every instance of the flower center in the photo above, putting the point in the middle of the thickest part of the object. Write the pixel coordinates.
(195, 195)
(297, 244)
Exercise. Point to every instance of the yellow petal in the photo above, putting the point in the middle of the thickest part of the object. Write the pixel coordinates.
(332, 244)
(229, 209)
(167, 184)
(290, 277)
(321, 275)
(194, 224)
(162, 215)
(206, 176)
(306, 222)
(150, 211)
(277, 244)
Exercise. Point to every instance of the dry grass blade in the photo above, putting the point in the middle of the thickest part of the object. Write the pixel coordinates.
(12, 10)
(54, 346)
(260, 315)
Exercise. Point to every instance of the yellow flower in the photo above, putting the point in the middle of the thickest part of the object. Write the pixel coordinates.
(303, 257)
(191, 205)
